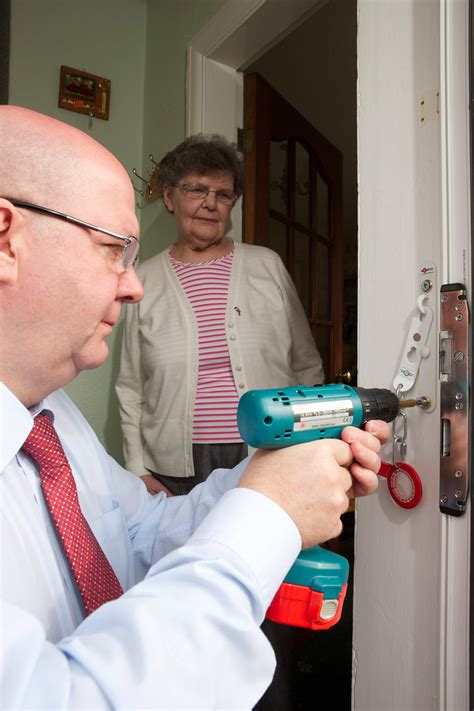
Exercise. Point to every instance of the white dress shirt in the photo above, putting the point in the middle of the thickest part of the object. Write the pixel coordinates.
(187, 635)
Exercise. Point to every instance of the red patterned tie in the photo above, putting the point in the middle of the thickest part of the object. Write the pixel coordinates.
(92, 571)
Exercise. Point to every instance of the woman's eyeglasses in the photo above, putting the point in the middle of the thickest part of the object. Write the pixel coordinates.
(200, 192)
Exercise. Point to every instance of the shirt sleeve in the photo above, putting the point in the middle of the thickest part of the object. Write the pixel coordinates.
(166, 523)
(130, 393)
(188, 636)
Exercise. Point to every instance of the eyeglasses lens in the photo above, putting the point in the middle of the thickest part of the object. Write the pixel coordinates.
(130, 253)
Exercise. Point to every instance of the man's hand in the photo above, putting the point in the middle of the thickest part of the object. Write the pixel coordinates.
(154, 486)
(365, 445)
(313, 482)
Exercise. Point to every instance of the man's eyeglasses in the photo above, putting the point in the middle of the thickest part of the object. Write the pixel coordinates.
(200, 192)
(130, 250)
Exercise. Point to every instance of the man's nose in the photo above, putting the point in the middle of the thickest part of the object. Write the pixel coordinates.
(130, 288)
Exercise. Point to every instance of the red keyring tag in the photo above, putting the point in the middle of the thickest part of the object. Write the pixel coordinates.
(398, 476)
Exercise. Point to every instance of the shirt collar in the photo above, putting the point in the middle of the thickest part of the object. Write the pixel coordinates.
(16, 423)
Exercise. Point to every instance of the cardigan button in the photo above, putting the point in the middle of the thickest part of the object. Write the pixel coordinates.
(238, 368)
(241, 385)
(232, 336)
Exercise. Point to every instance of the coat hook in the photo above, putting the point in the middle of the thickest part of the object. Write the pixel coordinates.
(140, 192)
(152, 190)
(134, 171)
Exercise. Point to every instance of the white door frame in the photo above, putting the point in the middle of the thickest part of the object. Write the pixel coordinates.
(240, 32)
(456, 206)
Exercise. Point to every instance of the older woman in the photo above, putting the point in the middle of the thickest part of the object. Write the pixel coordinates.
(218, 318)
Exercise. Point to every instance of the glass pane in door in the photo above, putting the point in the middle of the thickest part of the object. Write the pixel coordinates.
(301, 275)
(323, 282)
(301, 185)
(278, 184)
(322, 206)
(277, 238)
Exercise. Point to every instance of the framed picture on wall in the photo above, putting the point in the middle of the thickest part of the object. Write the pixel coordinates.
(84, 93)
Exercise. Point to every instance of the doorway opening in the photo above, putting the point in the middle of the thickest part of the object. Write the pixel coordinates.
(314, 69)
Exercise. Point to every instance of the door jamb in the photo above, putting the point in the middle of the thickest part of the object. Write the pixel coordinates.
(456, 226)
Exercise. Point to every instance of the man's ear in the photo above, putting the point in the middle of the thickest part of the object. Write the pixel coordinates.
(168, 198)
(11, 224)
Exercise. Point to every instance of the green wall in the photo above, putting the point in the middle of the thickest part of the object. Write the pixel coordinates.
(171, 24)
(140, 45)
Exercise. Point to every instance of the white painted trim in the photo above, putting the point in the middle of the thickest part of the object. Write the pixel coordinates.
(455, 190)
(235, 36)
(194, 91)
(223, 25)
(454, 51)
(232, 15)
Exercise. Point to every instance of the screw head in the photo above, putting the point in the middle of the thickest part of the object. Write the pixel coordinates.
(458, 473)
(457, 494)
(426, 285)
(459, 317)
(459, 356)
(444, 500)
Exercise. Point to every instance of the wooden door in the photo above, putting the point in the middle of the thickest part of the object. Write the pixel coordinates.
(293, 204)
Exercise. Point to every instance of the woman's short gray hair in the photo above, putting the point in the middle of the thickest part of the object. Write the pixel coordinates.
(202, 154)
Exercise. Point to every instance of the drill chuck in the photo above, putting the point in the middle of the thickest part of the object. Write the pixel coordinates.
(378, 404)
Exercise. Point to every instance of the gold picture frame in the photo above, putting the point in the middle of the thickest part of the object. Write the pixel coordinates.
(84, 93)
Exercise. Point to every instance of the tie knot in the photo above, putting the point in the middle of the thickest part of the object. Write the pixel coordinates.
(43, 445)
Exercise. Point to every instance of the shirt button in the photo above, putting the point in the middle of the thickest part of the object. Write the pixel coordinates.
(238, 368)
(231, 325)
(233, 337)
(241, 385)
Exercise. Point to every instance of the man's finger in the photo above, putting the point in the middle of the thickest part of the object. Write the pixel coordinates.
(379, 429)
(353, 435)
(364, 481)
(365, 456)
(339, 450)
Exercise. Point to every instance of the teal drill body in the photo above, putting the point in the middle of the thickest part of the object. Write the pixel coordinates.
(270, 419)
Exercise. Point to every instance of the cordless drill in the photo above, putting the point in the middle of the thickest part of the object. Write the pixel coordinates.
(313, 592)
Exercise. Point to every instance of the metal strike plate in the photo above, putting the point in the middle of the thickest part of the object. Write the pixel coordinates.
(453, 375)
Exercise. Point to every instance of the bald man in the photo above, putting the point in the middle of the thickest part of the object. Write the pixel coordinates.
(111, 598)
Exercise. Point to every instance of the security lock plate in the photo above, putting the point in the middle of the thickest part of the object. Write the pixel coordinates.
(453, 374)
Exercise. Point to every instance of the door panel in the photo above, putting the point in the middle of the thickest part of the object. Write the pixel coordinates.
(293, 204)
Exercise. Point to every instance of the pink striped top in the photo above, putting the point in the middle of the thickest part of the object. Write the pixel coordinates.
(206, 285)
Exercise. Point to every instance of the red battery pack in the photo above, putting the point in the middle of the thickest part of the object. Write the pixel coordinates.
(301, 606)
